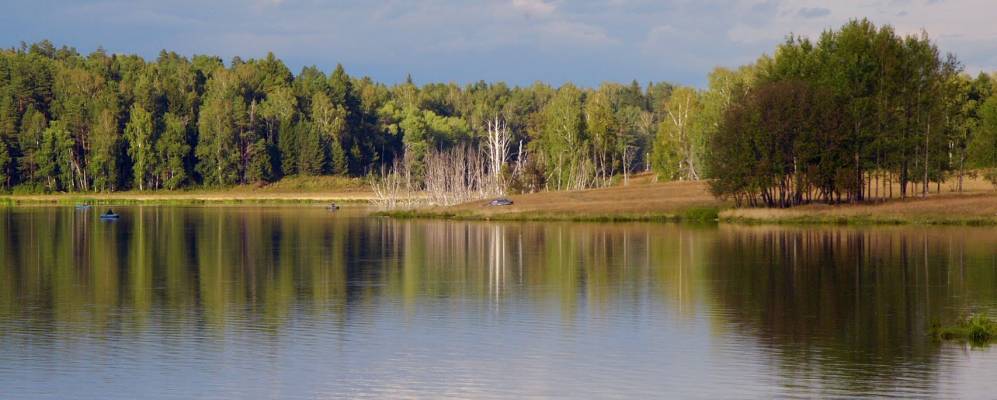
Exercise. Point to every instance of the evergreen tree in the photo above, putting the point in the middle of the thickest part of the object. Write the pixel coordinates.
(259, 168)
(173, 152)
(8, 140)
(311, 156)
(33, 125)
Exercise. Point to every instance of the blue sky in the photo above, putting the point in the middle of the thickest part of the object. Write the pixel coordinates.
(517, 41)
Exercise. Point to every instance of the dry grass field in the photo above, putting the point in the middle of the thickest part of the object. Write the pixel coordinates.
(976, 204)
(947, 208)
(644, 199)
(634, 199)
(641, 199)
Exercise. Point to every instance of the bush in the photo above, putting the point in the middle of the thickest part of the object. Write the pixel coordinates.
(977, 329)
(29, 188)
(701, 214)
(991, 176)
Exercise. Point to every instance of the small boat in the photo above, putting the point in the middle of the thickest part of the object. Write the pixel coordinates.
(500, 202)
(109, 215)
(332, 207)
(83, 207)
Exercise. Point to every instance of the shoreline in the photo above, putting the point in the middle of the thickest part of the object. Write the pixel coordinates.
(291, 189)
(700, 216)
(643, 201)
(691, 202)
(969, 209)
(183, 198)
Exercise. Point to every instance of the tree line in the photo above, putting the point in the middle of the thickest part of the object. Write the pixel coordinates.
(109, 122)
(849, 117)
(856, 114)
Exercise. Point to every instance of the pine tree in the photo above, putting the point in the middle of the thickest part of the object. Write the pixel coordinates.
(174, 151)
(312, 155)
(33, 125)
(8, 130)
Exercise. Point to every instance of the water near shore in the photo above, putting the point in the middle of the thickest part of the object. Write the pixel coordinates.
(299, 302)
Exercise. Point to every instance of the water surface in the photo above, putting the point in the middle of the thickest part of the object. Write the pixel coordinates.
(300, 302)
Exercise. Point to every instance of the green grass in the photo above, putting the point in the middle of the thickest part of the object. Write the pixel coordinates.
(701, 214)
(694, 215)
(73, 200)
(290, 190)
(307, 184)
(864, 220)
(291, 185)
(978, 330)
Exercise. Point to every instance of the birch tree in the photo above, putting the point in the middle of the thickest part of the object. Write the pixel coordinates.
(679, 138)
(497, 142)
(139, 133)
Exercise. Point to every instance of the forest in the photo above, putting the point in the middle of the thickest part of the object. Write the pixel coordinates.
(109, 122)
(860, 113)
(839, 118)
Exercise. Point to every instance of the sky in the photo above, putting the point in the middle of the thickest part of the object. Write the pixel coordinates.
(516, 41)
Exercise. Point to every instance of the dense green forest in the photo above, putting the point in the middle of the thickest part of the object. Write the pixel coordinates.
(850, 115)
(824, 120)
(106, 122)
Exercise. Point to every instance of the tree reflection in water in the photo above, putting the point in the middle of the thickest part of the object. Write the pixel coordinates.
(833, 310)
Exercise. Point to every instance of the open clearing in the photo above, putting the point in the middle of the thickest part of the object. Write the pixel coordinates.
(644, 199)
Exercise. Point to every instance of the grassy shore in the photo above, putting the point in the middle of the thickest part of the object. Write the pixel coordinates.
(941, 209)
(641, 200)
(646, 200)
(289, 190)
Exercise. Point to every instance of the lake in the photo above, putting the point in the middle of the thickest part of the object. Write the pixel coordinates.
(298, 302)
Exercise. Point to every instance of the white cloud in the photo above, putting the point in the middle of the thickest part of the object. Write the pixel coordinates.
(957, 19)
(575, 33)
(586, 41)
(964, 27)
(534, 8)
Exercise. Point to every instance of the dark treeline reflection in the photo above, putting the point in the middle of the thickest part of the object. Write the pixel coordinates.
(830, 308)
(852, 305)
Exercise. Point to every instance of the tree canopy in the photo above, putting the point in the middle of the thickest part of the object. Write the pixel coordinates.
(846, 116)
(831, 119)
(105, 122)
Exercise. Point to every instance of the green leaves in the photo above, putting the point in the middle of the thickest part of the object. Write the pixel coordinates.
(173, 151)
(838, 119)
(983, 147)
(125, 122)
(139, 133)
(104, 152)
